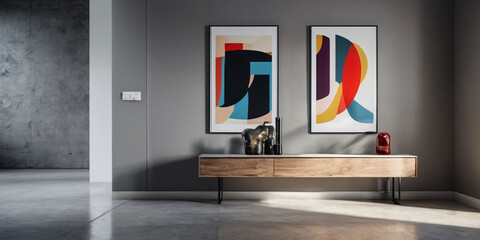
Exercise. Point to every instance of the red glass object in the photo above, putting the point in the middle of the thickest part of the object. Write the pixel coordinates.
(383, 143)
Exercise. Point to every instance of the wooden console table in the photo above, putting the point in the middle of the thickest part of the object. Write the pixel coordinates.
(308, 166)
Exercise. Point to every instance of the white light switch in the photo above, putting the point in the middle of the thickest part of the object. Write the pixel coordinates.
(132, 96)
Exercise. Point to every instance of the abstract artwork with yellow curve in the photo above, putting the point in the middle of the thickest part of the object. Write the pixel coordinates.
(343, 79)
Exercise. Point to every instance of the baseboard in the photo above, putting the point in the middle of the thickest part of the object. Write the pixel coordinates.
(234, 195)
(467, 200)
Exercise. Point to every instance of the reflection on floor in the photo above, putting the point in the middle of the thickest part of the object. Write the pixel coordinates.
(61, 204)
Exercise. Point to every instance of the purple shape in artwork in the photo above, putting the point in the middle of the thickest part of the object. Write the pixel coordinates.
(323, 69)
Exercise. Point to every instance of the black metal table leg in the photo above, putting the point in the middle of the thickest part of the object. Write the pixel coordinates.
(220, 190)
(396, 201)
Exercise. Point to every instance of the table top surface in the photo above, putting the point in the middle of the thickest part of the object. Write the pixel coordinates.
(306, 156)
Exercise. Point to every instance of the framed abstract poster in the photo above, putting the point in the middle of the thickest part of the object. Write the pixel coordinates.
(343, 79)
(243, 77)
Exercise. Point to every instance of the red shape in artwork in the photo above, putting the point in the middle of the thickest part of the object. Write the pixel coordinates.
(352, 71)
(233, 46)
(218, 79)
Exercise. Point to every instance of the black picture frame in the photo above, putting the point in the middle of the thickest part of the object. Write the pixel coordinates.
(211, 75)
(310, 79)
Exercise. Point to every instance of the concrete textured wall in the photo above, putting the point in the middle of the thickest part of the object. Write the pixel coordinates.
(415, 98)
(467, 97)
(44, 84)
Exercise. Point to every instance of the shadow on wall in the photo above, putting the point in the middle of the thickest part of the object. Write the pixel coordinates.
(330, 143)
(180, 173)
(356, 144)
(14, 155)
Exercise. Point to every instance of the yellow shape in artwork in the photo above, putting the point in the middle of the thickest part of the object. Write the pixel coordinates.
(331, 111)
(319, 42)
(363, 61)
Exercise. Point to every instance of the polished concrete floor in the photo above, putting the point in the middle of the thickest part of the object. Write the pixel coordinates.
(61, 204)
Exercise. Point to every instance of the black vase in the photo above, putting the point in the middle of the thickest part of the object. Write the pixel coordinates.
(259, 140)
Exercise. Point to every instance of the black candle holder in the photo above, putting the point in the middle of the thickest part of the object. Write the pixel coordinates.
(277, 148)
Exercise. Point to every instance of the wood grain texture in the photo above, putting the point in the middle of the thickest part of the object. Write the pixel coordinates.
(235, 167)
(346, 167)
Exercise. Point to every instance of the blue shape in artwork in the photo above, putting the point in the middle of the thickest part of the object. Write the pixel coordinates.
(263, 68)
(359, 113)
(222, 93)
(240, 110)
(260, 68)
(341, 51)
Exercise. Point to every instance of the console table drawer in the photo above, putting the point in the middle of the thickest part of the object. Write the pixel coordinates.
(235, 167)
(346, 167)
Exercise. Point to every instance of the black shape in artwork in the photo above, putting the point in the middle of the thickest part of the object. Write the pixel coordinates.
(237, 73)
(259, 97)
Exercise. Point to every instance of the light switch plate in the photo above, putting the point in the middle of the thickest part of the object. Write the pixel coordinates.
(132, 96)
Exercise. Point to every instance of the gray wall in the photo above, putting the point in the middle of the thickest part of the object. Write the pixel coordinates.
(129, 73)
(44, 84)
(467, 97)
(415, 99)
